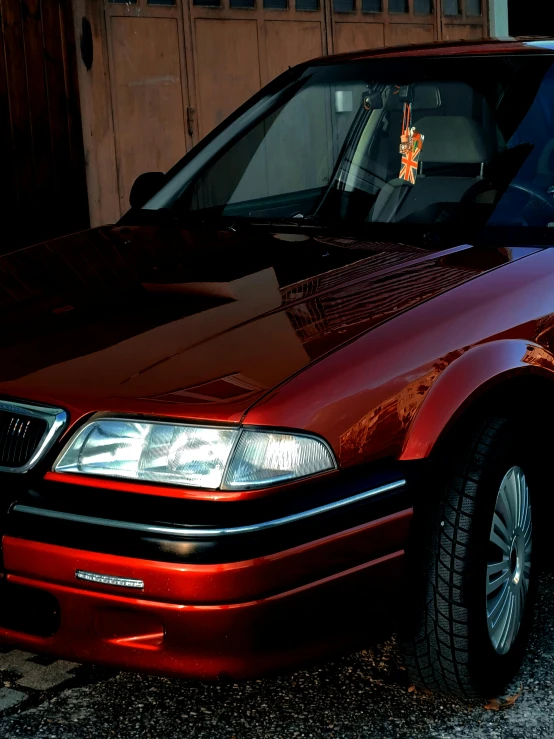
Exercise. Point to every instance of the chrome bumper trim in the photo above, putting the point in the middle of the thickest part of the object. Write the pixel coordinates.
(207, 532)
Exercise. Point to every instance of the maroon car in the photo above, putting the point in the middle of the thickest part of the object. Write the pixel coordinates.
(301, 394)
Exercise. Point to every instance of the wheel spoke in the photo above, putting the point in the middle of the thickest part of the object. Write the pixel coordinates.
(511, 622)
(518, 498)
(500, 535)
(526, 574)
(507, 498)
(505, 621)
(493, 585)
(527, 535)
(503, 505)
(526, 508)
(500, 622)
(497, 574)
(499, 605)
(495, 567)
(511, 493)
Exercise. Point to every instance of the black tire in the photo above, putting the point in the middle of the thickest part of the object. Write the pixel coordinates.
(445, 641)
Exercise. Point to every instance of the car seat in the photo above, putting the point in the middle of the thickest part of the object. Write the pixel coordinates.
(449, 140)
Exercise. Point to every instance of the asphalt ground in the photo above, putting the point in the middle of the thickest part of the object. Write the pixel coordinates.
(356, 697)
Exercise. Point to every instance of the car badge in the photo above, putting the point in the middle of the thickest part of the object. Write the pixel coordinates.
(119, 582)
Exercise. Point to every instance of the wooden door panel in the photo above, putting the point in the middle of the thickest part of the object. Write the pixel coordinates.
(397, 34)
(355, 36)
(228, 67)
(148, 100)
(290, 42)
(462, 32)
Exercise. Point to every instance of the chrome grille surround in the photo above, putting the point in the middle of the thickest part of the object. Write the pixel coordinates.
(54, 420)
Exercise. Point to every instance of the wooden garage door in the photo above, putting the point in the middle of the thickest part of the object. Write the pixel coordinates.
(240, 45)
(161, 74)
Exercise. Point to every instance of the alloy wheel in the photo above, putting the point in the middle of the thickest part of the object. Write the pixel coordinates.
(509, 560)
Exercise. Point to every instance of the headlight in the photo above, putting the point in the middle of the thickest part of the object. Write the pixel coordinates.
(264, 458)
(207, 457)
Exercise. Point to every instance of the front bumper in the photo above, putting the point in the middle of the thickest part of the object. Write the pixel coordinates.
(329, 585)
(178, 638)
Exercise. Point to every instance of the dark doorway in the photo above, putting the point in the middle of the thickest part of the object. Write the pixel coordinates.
(531, 18)
(42, 174)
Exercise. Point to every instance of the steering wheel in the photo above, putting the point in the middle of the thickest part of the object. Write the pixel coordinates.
(538, 208)
(547, 199)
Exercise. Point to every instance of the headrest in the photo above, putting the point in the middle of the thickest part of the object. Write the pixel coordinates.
(452, 139)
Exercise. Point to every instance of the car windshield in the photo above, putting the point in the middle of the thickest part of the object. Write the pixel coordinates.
(459, 142)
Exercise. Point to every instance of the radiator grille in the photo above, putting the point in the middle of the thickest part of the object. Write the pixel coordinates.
(20, 436)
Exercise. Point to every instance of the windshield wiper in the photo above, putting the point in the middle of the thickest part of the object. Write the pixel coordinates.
(299, 222)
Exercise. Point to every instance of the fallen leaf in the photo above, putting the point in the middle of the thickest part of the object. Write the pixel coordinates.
(411, 689)
(511, 699)
(499, 705)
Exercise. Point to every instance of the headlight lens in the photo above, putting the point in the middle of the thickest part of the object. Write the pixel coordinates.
(205, 457)
(156, 452)
(263, 458)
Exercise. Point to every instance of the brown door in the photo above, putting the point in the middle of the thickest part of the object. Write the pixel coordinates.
(464, 19)
(369, 24)
(240, 45)
(148, 88)
(135, 89)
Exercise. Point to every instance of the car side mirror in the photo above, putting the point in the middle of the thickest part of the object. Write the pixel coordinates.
(145, 187)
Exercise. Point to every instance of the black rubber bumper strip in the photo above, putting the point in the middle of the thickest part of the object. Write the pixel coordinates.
(210, 533)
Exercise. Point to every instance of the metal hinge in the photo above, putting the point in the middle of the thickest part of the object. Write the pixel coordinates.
(191, 116)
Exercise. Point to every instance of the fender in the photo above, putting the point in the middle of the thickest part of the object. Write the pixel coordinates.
(479, 368)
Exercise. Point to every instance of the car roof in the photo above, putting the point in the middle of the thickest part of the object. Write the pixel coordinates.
(519, 45)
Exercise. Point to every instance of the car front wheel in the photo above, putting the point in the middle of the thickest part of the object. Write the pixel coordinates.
(473, 597)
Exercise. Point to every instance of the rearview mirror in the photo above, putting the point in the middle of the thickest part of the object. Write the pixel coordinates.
(145, 187)
(427, 97)
(422, 96)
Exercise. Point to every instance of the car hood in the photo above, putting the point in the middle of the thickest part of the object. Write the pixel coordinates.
(200, 324)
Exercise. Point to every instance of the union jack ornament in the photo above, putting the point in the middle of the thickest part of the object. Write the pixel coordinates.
(410, 160)
(411, 144)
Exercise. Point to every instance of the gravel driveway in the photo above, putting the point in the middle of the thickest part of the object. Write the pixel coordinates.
(363, 695)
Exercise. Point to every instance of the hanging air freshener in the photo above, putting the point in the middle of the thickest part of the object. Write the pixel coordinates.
(411, 144)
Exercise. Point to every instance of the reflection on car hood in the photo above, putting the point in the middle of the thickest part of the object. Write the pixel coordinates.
(200, 325)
